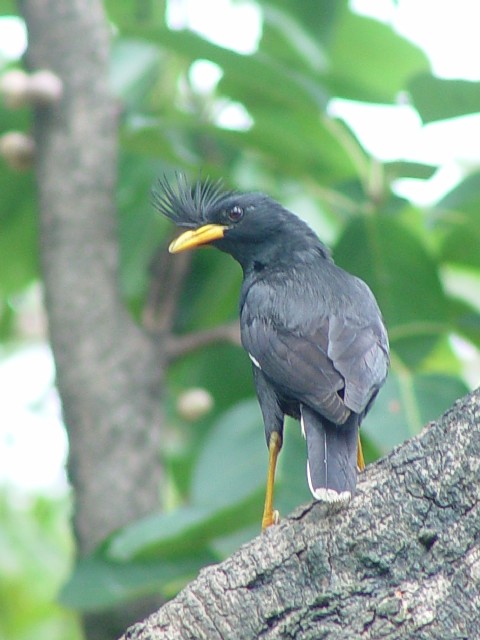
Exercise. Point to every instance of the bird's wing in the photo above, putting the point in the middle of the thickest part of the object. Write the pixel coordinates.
(298, 365)
(360, 354)
(335, 368)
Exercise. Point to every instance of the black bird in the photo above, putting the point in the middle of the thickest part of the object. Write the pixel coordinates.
(314, 332)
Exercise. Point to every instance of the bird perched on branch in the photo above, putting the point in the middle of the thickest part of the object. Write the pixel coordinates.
(314, 332)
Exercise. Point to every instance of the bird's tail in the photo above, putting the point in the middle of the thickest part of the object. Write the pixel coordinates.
(332, 456)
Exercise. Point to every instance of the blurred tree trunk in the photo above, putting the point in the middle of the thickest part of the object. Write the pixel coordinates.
(402, 561)
(109, 373)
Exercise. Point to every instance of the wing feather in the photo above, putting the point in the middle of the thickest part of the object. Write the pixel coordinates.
(335, 363)
(298, 366)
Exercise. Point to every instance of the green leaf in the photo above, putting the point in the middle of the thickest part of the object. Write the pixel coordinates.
(232, 463)
(35, 557)
(302, 146)
(318, 18)
(163, 535)
(150, 537)
(388, 424)
(228, 486)
(131, 13)
(227, 489)
(166, 138)
(369, 61)
(141, 229)
(18, 239)
(465, 320)
(404, 169)
(219, 284)
(404, 279)
(462, 240)
(97, 583)
(18, 222)
(134, 66)
(168, 535)
(8, 8)
(462, 245)
(438, 99)
(183, 531)
(285, 38)
(406, 403)
(225, 371)
(222, 369)
(297, 147)
(253, 75)
(464, 197)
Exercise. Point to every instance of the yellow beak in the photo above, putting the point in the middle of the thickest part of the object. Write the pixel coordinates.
(197, 237)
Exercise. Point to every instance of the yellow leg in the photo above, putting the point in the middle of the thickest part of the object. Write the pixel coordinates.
(360, 459)
(269, 515)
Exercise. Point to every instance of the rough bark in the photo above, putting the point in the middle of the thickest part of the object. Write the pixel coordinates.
(109, 373)
(402, 561)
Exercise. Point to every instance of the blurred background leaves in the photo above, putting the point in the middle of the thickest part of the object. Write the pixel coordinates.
(261, 118)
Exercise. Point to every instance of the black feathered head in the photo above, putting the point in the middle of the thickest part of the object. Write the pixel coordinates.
(252, 227)
(189, 205)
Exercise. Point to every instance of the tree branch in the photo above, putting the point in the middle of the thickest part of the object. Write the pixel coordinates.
(178, 346)
(167, 276)
(402, 561)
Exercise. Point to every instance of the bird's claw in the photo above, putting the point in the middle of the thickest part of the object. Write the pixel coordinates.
(270, 519)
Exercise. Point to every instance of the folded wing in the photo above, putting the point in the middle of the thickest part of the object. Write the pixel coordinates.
(335, 368)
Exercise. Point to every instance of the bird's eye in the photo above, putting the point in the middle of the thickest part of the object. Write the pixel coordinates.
(235, 214)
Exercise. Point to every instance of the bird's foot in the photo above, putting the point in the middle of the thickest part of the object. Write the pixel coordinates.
(270, 519)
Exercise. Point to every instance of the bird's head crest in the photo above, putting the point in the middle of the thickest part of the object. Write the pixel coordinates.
(188, 205)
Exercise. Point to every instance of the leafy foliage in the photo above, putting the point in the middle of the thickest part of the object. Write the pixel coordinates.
(35, 551)
(288, 146)
(437, 99)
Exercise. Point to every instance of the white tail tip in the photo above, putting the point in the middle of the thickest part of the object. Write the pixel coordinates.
(327, 495)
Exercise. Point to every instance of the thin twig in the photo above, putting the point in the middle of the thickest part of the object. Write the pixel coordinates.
(167, 276)
(179, 346)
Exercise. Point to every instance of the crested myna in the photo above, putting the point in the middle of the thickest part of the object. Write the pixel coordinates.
(314, 332)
